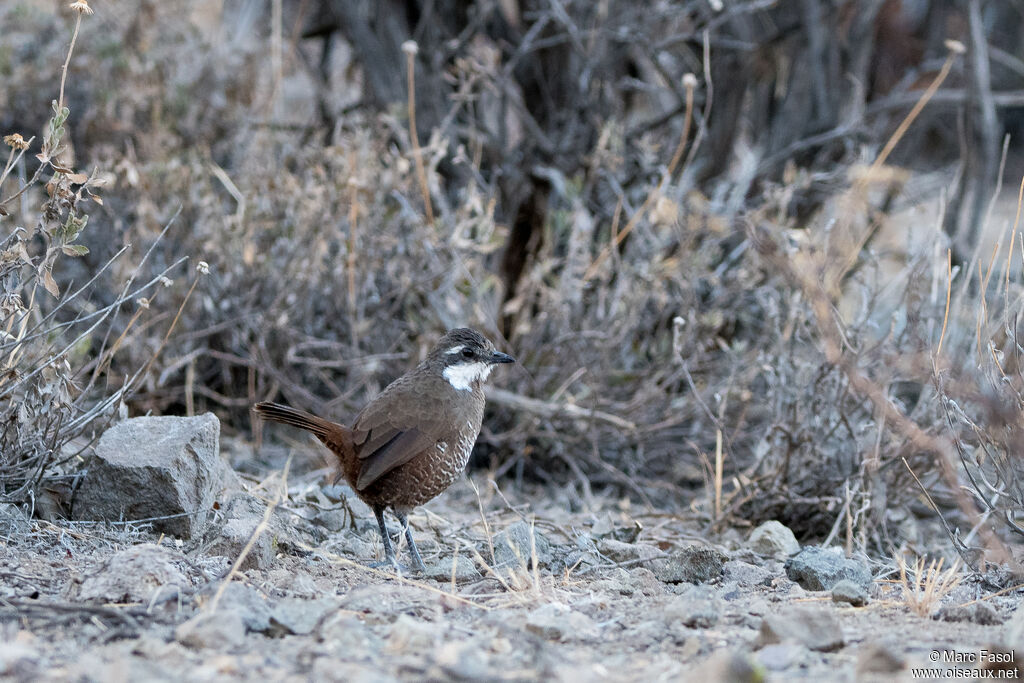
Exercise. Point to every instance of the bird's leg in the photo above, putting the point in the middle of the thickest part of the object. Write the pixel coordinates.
(389, 551)
(404, 519)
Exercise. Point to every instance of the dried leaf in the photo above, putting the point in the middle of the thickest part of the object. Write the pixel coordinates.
(50, 283)
(75, 249)
(96, 198)
(78, 178)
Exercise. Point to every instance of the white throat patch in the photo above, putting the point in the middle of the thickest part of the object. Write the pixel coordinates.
(462, 376)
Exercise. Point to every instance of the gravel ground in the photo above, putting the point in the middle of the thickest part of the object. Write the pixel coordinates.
(517, 588)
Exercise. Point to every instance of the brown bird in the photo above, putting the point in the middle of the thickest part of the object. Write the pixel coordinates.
(414, 439)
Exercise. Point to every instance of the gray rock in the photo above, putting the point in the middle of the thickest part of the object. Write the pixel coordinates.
(14, 523)
(696, 609)
(773, 539)
(618, 551)
(643, 580)
(234, 535)
(156, 467)
(691, 564)
(220, 630)
(296, 616)
(728, 667)
(817, 569)
(816, 629)
(609, 526)
(465, 570)
(142, 573)
(352, 638)
(879, 658)
(555, 621)
(849, 592)
(332, 519)
(467, 660)
(243, 515)
(977, 612)
(745, 574)
(514, 547)
(295, 583)
(781, 656)
(249, 603)
(409, 635)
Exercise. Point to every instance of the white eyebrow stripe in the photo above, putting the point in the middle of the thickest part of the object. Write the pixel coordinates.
(454, 349)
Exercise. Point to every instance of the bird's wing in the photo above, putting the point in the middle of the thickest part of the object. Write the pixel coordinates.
(381, 444)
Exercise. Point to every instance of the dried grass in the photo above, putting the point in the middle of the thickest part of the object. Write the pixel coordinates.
(56, 349)
(927, 585)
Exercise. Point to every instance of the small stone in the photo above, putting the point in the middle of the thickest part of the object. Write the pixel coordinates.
(610, 526)
(514, 547)
(781, 656)
(817, 569)
(745, 574)
(977, 612)
(558, 622)
(298, 616)
(878, 658)
(244, 514)
(728, 667)
(164, 469)
(618, 551)
(643, 580)
(693, 610)
(235, 535)
(249, 603)
(849, 592)
(691, 564)
(410, 635)
(350, 636)
(466, 660)
(465, 570)
(141, 574)
(333, 520)
(220, 630)
(773, 539)
(816, 629)
(301, 585)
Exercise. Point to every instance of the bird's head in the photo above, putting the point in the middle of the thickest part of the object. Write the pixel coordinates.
(465, 358)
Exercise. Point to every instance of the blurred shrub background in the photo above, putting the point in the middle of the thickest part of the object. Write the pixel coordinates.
(681, 217)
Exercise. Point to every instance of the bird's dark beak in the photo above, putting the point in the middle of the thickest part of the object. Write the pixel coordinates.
(499, 357)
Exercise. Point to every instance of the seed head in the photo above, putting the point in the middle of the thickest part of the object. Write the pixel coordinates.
(15, 141)
(81, 6)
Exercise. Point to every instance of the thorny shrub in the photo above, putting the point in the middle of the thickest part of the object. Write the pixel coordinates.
(53, 349)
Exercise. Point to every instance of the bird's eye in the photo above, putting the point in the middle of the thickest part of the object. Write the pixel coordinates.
(467, 353)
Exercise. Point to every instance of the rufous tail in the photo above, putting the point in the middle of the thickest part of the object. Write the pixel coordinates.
(325, 430)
